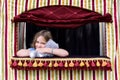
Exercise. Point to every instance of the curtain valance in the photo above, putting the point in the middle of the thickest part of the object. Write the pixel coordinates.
(61, 16)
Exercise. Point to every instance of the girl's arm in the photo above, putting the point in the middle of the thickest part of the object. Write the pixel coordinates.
(23, 53)
(56, 51)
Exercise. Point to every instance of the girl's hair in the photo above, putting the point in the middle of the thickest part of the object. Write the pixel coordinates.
(45, 33)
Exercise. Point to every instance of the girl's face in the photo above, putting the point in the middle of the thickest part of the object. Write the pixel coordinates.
(40, 42)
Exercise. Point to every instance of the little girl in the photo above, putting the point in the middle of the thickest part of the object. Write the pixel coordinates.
(43, 46)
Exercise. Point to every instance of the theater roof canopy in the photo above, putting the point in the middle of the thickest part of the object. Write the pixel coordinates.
(61, 16)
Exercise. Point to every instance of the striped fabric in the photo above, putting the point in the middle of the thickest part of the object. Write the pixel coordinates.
(8, 31)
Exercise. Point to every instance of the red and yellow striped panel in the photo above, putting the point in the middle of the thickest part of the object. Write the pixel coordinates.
(8, 31)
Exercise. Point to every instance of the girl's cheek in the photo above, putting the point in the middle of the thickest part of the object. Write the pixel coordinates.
(39, 45)
(43, 46)
(36, 46)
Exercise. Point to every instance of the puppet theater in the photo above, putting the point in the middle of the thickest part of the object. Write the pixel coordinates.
(74, 24)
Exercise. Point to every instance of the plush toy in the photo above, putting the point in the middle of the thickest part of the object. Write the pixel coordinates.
(49, 44)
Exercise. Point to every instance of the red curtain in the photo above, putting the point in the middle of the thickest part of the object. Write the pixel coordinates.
(61, 16)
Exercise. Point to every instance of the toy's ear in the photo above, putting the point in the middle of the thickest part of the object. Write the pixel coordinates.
(52, 44)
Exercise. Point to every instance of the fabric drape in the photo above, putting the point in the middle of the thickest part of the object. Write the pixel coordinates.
(61, 16)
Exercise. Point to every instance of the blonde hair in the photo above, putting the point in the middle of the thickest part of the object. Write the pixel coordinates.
(45, 33)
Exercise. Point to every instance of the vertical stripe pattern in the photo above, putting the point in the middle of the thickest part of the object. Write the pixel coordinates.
(9, 38)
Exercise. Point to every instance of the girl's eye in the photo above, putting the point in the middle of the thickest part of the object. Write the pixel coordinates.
(40, 42)
(37, 41)
(43, 43)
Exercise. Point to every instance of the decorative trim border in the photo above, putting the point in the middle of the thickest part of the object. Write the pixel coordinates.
(60, 63)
